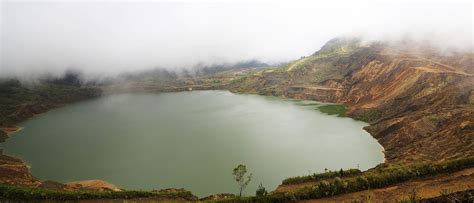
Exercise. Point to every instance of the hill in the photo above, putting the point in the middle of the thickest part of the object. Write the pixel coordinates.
(418, 101)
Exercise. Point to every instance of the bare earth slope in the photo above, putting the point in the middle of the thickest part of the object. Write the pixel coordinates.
(420, 107)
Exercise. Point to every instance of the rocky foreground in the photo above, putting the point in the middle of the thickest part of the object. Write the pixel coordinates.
(419, 102)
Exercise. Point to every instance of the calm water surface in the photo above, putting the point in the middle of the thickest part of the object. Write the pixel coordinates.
(190, 140)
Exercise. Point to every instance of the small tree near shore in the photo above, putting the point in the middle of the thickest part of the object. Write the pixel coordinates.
(261, 191)
(239, 176)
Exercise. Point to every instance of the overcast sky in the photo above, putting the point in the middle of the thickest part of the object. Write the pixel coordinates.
(112, 36)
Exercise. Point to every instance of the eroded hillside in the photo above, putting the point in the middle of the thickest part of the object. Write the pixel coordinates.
(420, 103)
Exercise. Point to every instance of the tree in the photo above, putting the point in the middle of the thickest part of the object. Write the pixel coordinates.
(261, 191)
(239, 176)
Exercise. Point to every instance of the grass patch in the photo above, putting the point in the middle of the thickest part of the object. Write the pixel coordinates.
(334, 109)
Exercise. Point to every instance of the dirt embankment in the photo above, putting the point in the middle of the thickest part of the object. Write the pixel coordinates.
(97, 185)
(14, 171)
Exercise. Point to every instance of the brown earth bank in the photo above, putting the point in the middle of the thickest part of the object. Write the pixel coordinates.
(424, 188)
(91, 185)
(15, 172)
(98, 185)
(419, 102)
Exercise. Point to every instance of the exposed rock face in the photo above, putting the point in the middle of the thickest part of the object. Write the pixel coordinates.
(49, 184)
(97, 185)
(419, 103)
(14, 171)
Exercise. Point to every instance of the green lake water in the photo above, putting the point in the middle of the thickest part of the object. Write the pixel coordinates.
(190, 140)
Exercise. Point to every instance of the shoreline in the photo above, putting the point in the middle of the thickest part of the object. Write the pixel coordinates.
(11, 130)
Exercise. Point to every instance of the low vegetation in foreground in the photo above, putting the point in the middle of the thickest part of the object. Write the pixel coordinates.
(8, 192)
(322, 176)
(381, 177)
(330, 184)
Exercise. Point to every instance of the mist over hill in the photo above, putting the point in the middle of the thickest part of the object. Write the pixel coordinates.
(109, 38)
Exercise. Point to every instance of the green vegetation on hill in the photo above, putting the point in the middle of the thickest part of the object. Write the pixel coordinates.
(19, 102)
(367, 115)
(306, 62)
(334, 109)
(339, 45)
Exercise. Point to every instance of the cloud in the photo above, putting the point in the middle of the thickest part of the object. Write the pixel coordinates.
(110, 37)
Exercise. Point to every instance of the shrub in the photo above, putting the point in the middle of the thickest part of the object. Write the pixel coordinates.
(321, 176)
(261, 191)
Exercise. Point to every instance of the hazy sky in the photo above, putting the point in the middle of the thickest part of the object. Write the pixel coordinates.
(113, 36)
